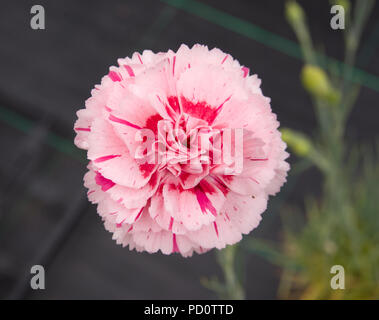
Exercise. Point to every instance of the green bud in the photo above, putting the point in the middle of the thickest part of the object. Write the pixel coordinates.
(297, 141)
(333, 97)
(294, 12)
(316, 82)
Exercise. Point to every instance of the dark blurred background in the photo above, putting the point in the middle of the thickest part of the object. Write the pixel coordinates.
(45, 77)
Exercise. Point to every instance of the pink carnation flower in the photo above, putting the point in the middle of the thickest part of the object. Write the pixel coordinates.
(156, 187)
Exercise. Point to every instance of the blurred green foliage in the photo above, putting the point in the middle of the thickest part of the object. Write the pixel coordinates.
(340, 226)
(330, 236)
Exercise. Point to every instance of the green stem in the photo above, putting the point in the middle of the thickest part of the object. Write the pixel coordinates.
(227, 261)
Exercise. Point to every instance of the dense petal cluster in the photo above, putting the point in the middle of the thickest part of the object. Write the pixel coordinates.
(156, 187)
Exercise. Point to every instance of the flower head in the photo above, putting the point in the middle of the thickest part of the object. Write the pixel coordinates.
(184, 150)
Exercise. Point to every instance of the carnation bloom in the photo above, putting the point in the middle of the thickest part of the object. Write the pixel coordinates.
(156, 187)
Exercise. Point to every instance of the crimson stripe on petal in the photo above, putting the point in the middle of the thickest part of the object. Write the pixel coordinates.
(216, 229)
(204, 202)
(114, 76)
(171, 223)
(129, 70)
(122, 121)
(119, 225)
(103, 182)
(222, 104)
(173, 66)
(83, 129)
(255, 180)
(175, 247)
(105, 158)
(245, 71)
(224, 59)
(139, 214)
